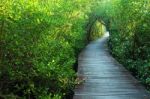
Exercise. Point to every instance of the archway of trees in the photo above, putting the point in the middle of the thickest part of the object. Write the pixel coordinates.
(40, 41)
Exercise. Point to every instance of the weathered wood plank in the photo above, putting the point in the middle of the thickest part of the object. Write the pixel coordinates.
(104, 77)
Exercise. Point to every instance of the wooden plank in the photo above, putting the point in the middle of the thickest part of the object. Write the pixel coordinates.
(104, 77)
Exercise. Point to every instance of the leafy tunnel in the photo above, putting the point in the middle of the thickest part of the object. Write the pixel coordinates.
(41, 39)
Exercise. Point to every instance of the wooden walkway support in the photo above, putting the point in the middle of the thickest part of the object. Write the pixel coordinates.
(104, 77)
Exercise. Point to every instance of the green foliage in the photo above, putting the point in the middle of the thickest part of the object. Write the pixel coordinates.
(130, 35)
(39, 42)
(97, 30)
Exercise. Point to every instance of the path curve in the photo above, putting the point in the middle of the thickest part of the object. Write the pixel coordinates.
(104, 77)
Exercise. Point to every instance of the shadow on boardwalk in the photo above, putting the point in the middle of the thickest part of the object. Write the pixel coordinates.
(104, 77)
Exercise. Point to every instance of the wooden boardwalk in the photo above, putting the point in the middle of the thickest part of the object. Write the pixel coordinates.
(104, 77)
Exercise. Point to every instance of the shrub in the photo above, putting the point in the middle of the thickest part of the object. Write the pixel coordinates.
(39, 42)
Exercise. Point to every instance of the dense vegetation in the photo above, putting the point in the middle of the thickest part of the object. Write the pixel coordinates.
(129, 24)
(40, 41)
(96, 31)
(39, 44)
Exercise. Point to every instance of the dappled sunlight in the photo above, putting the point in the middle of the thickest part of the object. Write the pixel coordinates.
(106, 34)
